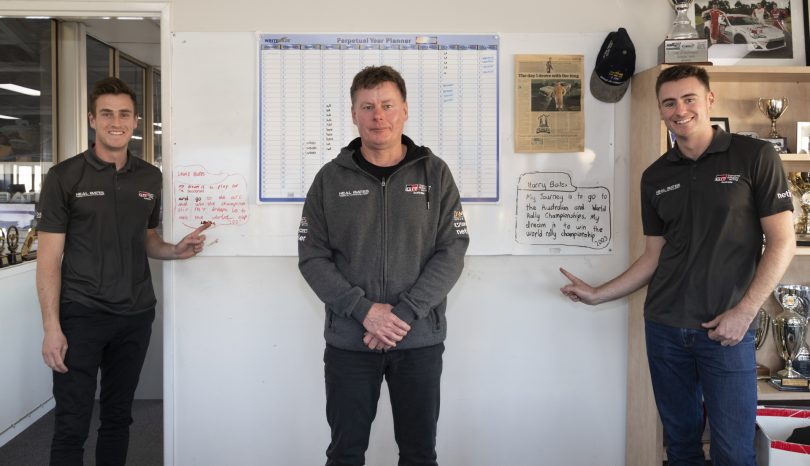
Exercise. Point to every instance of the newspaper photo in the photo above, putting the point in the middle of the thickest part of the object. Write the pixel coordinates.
(549, 113)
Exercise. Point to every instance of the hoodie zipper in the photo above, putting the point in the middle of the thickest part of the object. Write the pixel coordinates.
(384, 240)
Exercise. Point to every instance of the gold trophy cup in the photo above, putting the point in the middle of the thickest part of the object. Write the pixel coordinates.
(773, 109)
(3, 256)
(800, 185)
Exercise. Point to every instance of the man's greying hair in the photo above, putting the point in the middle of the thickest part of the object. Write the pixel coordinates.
(110, 85)
(678, 72)
(372, 76)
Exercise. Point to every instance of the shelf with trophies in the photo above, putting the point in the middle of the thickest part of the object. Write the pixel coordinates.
(756, 101)
(17, 234)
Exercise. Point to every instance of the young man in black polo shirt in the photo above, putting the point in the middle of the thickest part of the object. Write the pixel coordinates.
(97, 217)
(705, 205)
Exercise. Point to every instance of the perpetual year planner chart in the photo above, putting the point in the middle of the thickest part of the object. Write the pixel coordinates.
(305, 106)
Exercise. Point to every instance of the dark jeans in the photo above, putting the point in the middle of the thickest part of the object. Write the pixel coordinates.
(117, 345)
(688, 368)
(353, 381)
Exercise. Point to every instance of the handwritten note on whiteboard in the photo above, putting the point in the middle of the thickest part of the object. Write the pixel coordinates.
(551, 211)
(200, 196)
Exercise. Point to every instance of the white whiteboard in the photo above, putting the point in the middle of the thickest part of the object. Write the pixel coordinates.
(226, 153)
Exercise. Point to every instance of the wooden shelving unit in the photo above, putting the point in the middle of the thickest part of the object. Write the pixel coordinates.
(737, 90)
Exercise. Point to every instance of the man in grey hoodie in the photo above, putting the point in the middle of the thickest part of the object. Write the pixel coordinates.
(381, 242)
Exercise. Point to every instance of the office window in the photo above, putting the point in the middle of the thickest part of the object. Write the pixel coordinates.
(157, 122)
(27, 129)
(99, 66)
(134, 74)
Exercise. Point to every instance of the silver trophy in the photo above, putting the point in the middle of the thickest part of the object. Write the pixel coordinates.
(763, 325)
(790, 325)
(682, 28)
(773, 109)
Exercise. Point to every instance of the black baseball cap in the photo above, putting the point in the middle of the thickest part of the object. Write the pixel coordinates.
(615, 65)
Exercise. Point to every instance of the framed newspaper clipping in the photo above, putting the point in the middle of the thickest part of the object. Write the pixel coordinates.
(549, 113)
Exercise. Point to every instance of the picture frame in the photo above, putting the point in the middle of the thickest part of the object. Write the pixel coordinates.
(803, 137)
(779, 144)
(723, 52)
(722, 122)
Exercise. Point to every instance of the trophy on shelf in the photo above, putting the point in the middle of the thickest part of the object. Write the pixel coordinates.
(799, 183)
(773, 109)
(683, 43)
(3, 256)
(13, 239)
(29, 251)
(763, 325)
(789, 329)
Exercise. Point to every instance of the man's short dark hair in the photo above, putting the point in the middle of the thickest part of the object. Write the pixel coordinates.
(111, 85)
(678, 72)
(372, 76)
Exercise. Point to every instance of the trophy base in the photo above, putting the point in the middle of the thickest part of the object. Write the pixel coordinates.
(789, 374)
(763, 372)
(788, 382)
(4, 261)
(693, 51)
(15, 258)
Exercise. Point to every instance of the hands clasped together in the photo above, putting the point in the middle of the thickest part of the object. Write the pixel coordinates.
(383, 328)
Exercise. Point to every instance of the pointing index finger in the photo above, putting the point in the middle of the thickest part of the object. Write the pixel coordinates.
(205, 225)
(574, 279)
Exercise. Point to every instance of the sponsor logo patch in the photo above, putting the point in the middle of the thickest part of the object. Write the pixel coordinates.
(784, 195)
(667, 189)
(353, 193)
(417, 188)
(725, 178)
(146, 195)
(303, 229)
(82, 194)
(459, 223)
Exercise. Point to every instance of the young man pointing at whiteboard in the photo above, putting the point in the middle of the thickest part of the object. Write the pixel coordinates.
(381, 242)
(97, 221)
(706, 204)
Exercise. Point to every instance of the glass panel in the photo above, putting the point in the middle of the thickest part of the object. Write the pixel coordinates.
(135, 76)
(99, 66)
(26, 118)
(158, 130)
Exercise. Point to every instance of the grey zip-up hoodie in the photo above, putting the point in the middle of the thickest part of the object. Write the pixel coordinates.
(400, 241)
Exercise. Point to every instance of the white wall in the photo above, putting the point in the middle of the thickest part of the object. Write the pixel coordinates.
(25, 381)
(529, 378)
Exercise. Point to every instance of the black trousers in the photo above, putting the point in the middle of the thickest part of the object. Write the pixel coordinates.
(117, 345)
(353, 381)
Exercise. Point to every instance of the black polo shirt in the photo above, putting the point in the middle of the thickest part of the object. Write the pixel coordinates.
(709, 211)
(104, 214)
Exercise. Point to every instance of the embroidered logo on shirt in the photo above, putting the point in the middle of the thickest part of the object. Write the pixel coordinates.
(146, 195)
(784, 195)
(726, 178)
(417, 188)
(459, 223)
(303, 229)
(353, 193)
(82, 194)
(667, 189)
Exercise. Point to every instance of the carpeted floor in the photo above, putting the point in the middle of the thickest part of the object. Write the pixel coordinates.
(32, 446)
